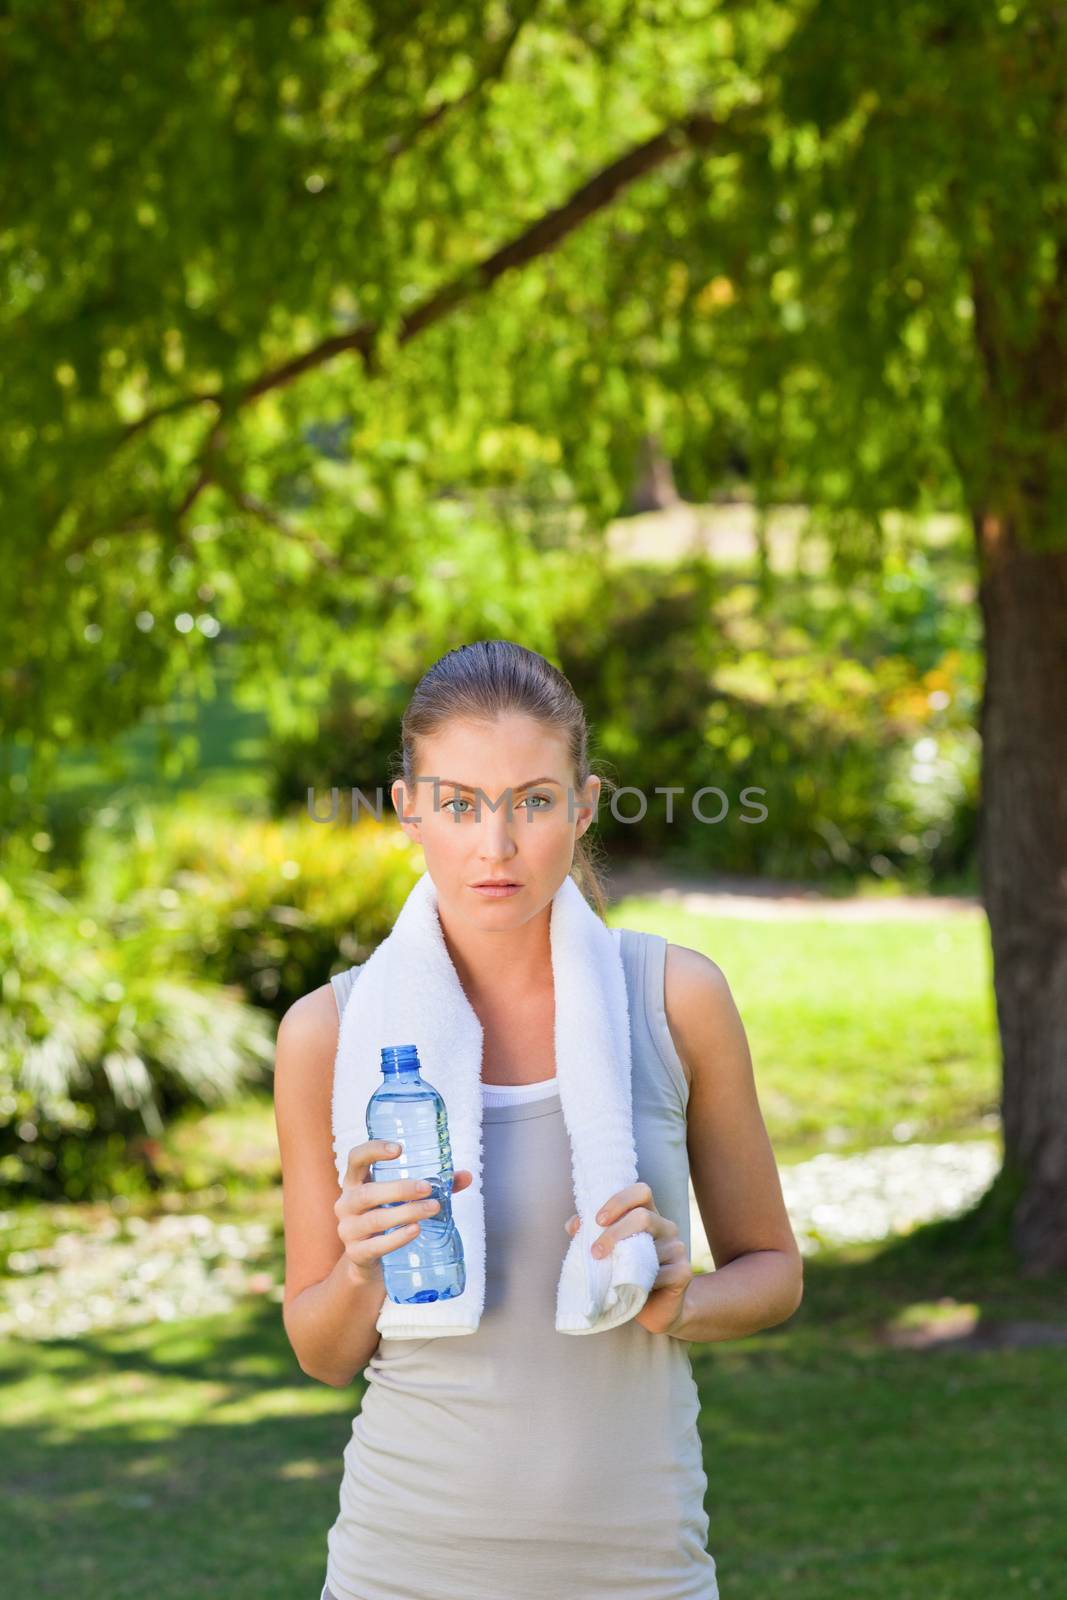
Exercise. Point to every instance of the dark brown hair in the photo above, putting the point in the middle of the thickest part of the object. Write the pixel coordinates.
(480, 681)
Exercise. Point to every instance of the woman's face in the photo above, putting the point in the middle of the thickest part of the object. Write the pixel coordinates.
(480, 816)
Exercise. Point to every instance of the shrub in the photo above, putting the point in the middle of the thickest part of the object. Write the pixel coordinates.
(104, 1031)
(854, 715)
(125, 992)
(854, 711)
(274, 907)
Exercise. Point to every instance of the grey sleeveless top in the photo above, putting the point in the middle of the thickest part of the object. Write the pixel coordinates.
(516, 1461)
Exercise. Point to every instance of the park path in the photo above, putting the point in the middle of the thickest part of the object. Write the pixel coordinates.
(723, 895)
(833, 1199)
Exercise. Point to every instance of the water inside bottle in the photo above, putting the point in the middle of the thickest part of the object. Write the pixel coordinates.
(408, 1111)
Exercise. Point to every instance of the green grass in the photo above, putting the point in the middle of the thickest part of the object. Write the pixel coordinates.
(194, 1458)
(854, 1027)
(181, 1459)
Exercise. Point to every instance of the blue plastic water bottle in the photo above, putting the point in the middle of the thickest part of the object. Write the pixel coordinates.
(408, 1111)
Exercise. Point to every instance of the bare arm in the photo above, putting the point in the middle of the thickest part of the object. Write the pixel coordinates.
(334, 1241)
(329, 1313)
(758, 1281)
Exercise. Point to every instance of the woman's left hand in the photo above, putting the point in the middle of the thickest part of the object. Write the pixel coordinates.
(633, 1210)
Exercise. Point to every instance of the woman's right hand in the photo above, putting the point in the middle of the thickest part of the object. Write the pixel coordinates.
(363, 1215)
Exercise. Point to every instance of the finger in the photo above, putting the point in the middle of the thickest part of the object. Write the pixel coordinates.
(672, 1275)
(376, 1220)
(363, 1156)
(362, 1251)
(362, 1196)
(640, 1220)
(635, 1194)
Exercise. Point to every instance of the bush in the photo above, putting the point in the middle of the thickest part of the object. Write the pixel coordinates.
(104, 1031)
(273, 907)
(854, 711)
(855, 716)
(126, 983)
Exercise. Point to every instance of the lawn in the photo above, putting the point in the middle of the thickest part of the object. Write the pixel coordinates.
(856, 1028)
(193, 1457)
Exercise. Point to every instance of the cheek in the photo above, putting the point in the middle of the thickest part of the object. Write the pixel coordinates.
(439, 830)
(552, 838)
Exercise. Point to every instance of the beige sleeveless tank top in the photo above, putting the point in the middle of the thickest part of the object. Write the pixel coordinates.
(518, 1462)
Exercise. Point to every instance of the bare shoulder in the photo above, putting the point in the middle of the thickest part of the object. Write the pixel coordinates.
(312, 1021)
(697, 1001)
(304, 1054)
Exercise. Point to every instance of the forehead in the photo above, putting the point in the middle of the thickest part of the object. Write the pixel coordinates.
(509, 750)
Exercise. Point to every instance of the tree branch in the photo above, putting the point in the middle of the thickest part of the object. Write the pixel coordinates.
(493, 69)
(537, 240)
(311, 541)
(699, 130)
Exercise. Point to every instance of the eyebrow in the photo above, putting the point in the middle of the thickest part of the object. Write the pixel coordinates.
(470, 787)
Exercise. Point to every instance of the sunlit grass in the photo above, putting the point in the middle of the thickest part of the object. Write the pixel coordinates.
(856, 1028)
(194, 1458)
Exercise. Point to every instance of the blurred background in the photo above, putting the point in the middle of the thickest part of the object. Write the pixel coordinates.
(716, 350)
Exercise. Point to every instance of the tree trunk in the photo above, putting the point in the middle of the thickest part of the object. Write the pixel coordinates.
(1023, 863)
(654, 489)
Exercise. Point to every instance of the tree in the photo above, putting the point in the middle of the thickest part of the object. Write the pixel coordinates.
(943, 130)
(307, 301)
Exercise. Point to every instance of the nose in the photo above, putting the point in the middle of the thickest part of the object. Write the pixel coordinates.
(496, 841)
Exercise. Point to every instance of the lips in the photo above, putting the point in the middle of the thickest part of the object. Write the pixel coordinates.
(497, 883)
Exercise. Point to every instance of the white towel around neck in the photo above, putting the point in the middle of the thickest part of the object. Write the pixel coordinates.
(409, 992)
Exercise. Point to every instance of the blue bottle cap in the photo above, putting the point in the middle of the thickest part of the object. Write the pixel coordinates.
(400, 1058)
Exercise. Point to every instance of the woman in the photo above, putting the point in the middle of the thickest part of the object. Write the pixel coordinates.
(515, 1463)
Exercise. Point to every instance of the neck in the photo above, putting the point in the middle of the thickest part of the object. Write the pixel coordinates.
(498, 965)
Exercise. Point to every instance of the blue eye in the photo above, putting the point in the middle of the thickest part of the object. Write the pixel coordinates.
(459, 801)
